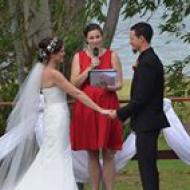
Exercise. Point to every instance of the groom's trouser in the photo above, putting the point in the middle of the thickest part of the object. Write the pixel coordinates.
(146, 144)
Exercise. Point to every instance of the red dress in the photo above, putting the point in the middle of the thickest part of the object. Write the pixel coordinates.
(91, 130)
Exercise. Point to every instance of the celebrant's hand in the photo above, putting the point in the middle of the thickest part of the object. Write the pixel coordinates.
(95, 62)
(111, 88)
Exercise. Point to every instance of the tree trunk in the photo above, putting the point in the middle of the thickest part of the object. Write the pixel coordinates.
(73, 24)
(30, 22)
(37, 21)
(73, 10)
(37, 25)
(13, 9)
(111, 21)
(80, 186)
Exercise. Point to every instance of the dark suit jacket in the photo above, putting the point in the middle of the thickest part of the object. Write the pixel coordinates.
(146, 105)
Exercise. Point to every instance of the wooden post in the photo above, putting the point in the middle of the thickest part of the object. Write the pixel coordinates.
(80, 186)
(103, 186)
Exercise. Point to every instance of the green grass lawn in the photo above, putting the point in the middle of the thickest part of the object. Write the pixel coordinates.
(174, 175)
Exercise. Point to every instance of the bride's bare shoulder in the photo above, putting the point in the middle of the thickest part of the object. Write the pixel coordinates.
(48, 72)
(53, 74)
(49, 76)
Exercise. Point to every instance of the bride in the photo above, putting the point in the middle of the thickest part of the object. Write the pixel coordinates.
(22, 166)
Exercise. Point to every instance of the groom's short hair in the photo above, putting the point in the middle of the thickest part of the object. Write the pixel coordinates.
(143, 29)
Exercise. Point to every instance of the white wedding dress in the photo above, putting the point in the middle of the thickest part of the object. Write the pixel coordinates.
(52, 167)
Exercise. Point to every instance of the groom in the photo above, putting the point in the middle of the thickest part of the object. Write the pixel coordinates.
(146, 105)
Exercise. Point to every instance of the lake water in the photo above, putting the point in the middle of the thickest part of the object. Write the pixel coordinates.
(168, 52)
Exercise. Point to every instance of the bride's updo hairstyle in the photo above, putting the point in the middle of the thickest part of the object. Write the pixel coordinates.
(49, 46)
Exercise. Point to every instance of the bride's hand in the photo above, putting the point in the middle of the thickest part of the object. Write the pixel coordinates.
(105, 112)
(112, 114)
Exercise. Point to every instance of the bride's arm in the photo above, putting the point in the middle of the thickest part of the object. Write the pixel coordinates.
(78, 78)
(69, 88)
